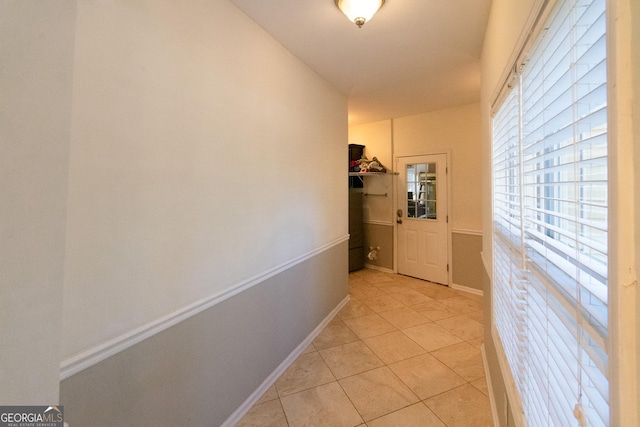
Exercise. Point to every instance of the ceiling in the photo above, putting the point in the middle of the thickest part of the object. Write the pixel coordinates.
(414, 56)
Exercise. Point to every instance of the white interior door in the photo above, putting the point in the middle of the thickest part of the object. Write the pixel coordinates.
(422, 217)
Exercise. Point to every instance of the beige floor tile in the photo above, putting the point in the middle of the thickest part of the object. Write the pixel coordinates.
(376, 278)
(326, 405)
(462, 304)
(353, 280)
(350, 359)
(462, 326)
(462, 407)
(358, 284)
(354, 308)
(413, 282)
(395, 320)
(270, 394)
(308, 370)
(269, 414)
(310, 349)
(365, 272)
(426, 376)
(336, 333)
(377, 393)
(365, 292)
(411, 297)
(369, 326)
(477, 342)
(393, 287)
(463, 359)
(473, 297)
(382, 303)
(437, 292)
(394, 346)
(417, 284)
(431, 336)
(481, 384)
(478, 316)
(417, 415)
(404, 317)
(385, 279)
(390, 288)
(435, 310)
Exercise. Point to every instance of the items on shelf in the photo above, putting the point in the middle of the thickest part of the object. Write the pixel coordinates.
(373, 165)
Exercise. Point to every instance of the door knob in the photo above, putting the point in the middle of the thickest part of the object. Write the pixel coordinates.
(399, 221)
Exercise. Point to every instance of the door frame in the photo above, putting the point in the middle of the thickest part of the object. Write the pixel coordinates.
(396, 175)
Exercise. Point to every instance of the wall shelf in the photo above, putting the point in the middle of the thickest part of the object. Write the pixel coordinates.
(362, 175)
(366, 173)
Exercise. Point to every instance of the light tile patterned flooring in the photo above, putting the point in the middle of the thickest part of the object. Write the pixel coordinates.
(402, 352)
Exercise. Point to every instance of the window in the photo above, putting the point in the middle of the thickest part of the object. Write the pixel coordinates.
(550, 221)
(421, 190)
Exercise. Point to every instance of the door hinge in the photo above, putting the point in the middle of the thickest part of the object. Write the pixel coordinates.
(447, 268)
(447, 218)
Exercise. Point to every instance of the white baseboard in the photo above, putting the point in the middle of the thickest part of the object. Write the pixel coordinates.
(467, 289)
(492, 400)
(375, 222)
(375, 267)
(273, 377)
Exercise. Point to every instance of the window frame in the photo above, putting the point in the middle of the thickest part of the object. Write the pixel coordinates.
(507, 374)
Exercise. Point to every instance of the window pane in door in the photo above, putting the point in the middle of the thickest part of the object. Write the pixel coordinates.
(421, 191)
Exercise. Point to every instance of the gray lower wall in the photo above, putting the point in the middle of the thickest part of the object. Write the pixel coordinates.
(467, 263)
(200, 371)
(379, 235)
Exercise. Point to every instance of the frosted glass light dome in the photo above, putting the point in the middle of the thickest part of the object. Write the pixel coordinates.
(359, 11)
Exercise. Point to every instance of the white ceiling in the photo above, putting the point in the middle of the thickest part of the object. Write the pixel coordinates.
(413, 56)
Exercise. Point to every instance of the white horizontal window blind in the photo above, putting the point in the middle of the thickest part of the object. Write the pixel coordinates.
(509, 299)
(550, 221)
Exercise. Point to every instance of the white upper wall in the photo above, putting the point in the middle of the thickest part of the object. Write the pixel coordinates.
(202, 154)
(635, 46)
(35, 114)
(457, 131)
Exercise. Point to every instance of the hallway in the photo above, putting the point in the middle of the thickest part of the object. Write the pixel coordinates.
(402, 352)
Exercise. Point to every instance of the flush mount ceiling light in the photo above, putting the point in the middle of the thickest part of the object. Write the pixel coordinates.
(359, 11)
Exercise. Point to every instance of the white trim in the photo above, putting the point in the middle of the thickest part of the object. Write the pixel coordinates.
(449, 174)
(485, 263)
(376, 222)
(467, 289)
(487, 377)
(623, 204)
(88, 358)
(513, 396)
(375, 267)
(273, 377)
(463, 231)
